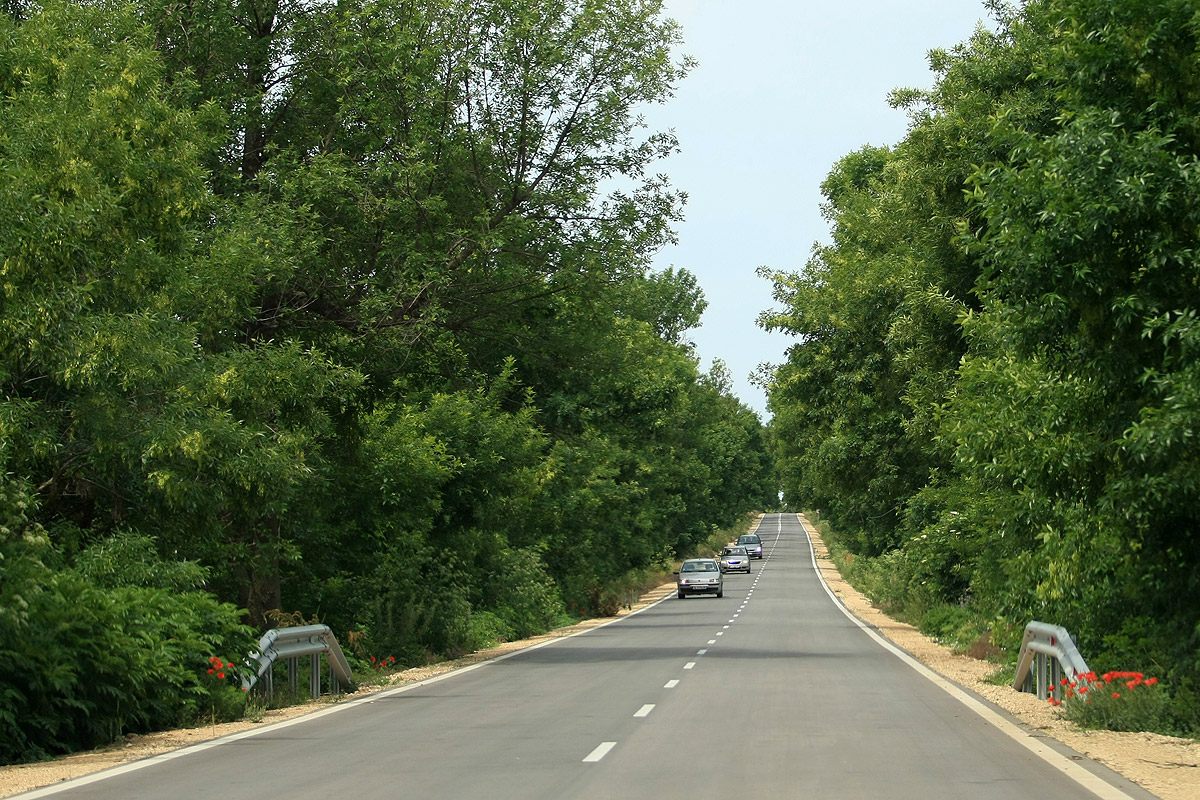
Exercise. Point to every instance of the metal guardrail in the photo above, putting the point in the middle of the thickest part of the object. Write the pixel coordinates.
(1054, 652)
(291, 644)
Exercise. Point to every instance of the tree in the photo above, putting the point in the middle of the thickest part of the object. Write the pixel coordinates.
(1023, 262)
(333, 307)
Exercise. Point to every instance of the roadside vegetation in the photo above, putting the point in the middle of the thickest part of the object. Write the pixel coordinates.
(993, 396)
(342, 311)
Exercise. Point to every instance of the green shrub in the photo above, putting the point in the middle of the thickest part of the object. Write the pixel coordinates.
(530, 601)
(224, 704)
(949, 624)
(421, 612)
(887, 580)
(488, 630)
(82, 665)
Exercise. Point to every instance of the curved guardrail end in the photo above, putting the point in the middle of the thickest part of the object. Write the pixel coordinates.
(293, 642)
(1040, 642)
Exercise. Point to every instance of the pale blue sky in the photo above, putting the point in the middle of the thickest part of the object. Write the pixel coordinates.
(784, 89)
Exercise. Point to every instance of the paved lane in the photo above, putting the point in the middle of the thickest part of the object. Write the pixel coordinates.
(768, 692)
(826, 712)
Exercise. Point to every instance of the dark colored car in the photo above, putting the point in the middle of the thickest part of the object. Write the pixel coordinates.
(752, 543)
(700, 576)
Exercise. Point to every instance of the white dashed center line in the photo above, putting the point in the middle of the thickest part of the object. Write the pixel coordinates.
(600, 752)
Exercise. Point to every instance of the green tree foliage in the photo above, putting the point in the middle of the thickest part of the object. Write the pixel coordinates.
(995, 375)
(333, 309)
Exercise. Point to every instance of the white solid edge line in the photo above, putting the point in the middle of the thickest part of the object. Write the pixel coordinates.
(644, 711)
(600, 752)
(113, 772)
(1091, 782)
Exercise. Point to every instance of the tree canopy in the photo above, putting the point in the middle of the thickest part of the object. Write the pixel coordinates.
(994, 375)
(342, 311)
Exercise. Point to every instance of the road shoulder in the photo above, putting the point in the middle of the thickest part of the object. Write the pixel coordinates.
(21, 778)
(1163, 765)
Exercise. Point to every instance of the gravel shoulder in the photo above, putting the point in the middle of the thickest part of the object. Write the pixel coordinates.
(1165, 766)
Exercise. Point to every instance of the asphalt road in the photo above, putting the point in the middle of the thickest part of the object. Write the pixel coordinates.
(771, 691)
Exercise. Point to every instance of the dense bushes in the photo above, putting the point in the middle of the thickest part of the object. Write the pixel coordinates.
(85, 661)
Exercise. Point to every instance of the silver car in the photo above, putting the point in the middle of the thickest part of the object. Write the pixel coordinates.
(735, 559)
(700, 576)
(752, 543)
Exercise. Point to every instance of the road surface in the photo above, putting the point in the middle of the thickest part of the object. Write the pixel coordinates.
(769, 692)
